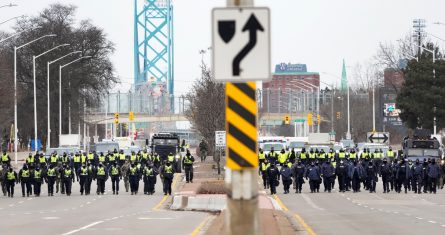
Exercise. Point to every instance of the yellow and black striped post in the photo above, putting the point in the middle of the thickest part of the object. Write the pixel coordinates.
(242, 159)
(241, 126)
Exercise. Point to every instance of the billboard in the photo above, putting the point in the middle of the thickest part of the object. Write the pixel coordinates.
(390, 110)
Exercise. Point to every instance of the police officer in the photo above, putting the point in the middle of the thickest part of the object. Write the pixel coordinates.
(77, 162)
(115, 174)
(286, 177)
(386, 174)
(102, 159)
(149, 179)
(11, 179)
(299, 170)
(122, 157)
(273, 156)
(168, 178)
(433, 175)
(53, 159)
(134, 178)
(187, 163)
(125, 171)
(417, 177)
(67, 178)
(101, 177)
(37, 181)
(111, 159)
(6, 160)
(50, 179)
(133, 157)
(3, 171)
(274, 177)
(371, 177)
(30, 160)
(91, 170)
(25, 180)
(403, 174)
(341, 171)
(282, 157)
(303, 156)
(314, 175)
(42, 161)
(356, 173)
(328, 172)
(83, 178)
(92, 157)
(263, 170)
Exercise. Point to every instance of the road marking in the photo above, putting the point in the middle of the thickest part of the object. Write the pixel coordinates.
(88, 203)
(310, 202)
(348, 198)
(50, 218)
(29, 199)
(156, 208)
(20, 202)
(11, 205)
(27, 213)
(308, 228)
(395, 212)
(200, 226)
(433, 222)
(148, 218)
(83, 228)
(443, 225)
(418, 218)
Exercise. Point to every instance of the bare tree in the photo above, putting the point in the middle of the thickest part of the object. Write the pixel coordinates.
(207, 106)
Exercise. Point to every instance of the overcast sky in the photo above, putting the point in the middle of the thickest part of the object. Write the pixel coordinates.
(319, 33)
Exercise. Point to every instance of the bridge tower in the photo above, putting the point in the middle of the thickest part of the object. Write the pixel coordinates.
(153, 45)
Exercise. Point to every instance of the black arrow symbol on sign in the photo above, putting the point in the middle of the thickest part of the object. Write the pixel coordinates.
(384, 138)
(253, 26)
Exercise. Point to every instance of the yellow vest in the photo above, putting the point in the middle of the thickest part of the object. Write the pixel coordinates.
(303, 155)
(390, 153)
(341, 155)
(264, 166)
(261, 156)
(10, 175)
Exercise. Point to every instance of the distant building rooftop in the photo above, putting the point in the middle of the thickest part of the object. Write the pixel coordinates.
(292, 69)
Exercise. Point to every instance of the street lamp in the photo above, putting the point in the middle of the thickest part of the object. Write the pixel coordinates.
(16, 34)
(15, 87)
(35, 91)
(60, 91)
(9, 5)
(22, 16)
(47, 68)
(318, 101)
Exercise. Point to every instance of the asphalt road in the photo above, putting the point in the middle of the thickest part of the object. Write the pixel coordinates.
(105, 214)
(367, 213)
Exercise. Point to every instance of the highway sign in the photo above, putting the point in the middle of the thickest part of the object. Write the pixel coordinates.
(378, 137)
(241, 44)
(220, 138)
(241, 126)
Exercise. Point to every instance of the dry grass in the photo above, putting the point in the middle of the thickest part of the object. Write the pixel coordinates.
(212, 187)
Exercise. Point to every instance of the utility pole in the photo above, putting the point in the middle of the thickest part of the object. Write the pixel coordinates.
(242, 202)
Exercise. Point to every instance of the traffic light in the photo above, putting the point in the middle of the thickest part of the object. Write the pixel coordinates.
(338, 115)
(286, 120)
(116, 118)
(131, 116)
(318, 118)
(309, 119)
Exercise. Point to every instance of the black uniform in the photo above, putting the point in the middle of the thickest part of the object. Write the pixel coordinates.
(25, 180)
(115, 174)
(341, 171)
(68, 179)
(50, 179)
(37, 177)
(101, 177)
(299, 169)
(386, 174)
(83, 178)
(187, 163)
(371, 177)
(168, 178)
(10, 179)
(149, 179)
(274, 177)
(286, 176)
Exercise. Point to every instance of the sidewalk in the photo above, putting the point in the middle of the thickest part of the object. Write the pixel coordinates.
(207, 193)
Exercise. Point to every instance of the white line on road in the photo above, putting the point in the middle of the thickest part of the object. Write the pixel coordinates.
(433, 222)
(310, 202)
(29, 199)
(11, 205)
(443, 225)
(20, 202)
(83, 228)
(147, 218)
(50, 218)
(418, 218)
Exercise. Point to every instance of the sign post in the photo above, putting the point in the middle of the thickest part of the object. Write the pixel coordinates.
(241, 56)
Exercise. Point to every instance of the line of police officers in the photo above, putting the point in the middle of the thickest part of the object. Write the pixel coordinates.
(63, 171)
(351, 170)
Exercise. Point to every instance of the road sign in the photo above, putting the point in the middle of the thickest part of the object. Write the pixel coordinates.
(241, 118)
(378, 137)
(220, 138)
(241, 44)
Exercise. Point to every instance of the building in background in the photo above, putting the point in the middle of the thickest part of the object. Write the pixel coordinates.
(292, 88)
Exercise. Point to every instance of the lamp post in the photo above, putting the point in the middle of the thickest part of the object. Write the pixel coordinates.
(48, 111)
(35, 90)
(15, 87)
(60, 91)
(11, 19)
(9, 5)
(318, 101)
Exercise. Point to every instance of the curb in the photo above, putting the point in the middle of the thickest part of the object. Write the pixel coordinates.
(198, 203)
